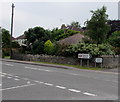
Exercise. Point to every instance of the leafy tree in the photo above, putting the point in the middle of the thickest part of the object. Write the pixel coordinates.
(57, 34)
(49, 47)
(114, 39)
(5, 38)
(35, 39)
(97, 27)
(15, 44)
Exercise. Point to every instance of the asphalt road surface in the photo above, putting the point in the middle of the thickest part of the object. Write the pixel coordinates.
(33, 82)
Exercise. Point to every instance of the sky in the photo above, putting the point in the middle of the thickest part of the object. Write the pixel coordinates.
(50, 15)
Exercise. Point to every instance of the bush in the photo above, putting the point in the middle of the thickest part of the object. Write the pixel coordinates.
(114, 39)
(49, 47)
(93, 49)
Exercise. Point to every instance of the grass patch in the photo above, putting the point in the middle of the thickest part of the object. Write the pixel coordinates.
(8, 57)
(75, 66)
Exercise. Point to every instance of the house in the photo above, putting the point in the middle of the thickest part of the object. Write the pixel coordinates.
(63, 26)
(21, 39)
(74, 39)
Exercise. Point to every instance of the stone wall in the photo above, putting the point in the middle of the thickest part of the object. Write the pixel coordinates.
(46, 58)
(109, 61)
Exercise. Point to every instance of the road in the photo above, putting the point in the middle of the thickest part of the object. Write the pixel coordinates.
(33, 82)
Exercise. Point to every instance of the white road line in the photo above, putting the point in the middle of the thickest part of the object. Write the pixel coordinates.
(2, 75)
(41, 82)
(17, 87)
(36, 81)
(28, 82)
(74, 90)
(90, 94)
(38, 69)
(61, 87)
(10, 74)
(16, 76)
(9, 64)
(16, 79)
(48, 84)
(9, 77)
(73, 74)
(0, 84)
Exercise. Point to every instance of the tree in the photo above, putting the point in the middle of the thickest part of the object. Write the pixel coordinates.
(49, 47)
(5, 38)
(97, 27)
(35, 39)
(114, 39)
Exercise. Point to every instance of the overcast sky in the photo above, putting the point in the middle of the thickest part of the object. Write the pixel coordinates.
(50, 14)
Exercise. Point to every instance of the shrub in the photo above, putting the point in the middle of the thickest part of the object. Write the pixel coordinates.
(93, 49)
(49, 47)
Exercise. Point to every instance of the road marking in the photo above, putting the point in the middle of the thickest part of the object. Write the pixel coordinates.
(73, 74)
(48, 84)
(38, 69)
(9, 64)
(0, 84)
(16, 79)
(41, 82)
(2, 75)
(28, 82)
(17, 87)
(90, 94)
(61, 87)
(9, 77)
(74, 90)
(16, 76)
(36, 81)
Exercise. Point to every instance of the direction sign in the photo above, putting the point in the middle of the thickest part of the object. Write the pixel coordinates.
(84, 56)
(98, 60)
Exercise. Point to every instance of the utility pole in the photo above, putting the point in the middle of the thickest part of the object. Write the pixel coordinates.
(11, 31)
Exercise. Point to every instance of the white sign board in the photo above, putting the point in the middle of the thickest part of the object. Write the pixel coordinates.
(98, 60)
(84, 56)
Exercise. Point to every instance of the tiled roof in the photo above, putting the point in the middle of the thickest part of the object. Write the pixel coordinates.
(21, 37)
(74, 39)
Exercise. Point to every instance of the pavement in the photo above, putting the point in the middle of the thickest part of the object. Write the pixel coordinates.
(32, 81)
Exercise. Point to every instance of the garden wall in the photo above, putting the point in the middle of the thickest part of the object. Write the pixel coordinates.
(109, 61)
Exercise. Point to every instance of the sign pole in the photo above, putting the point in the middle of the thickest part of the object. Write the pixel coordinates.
(81, 61)
(88, 62)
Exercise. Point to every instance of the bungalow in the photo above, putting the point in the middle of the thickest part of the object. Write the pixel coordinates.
(74, 39)
(21, 39)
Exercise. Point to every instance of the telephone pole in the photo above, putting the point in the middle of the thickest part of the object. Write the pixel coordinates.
(11, 31)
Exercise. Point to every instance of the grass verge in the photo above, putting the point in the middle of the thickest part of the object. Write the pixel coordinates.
(7, 57)
(75, 66)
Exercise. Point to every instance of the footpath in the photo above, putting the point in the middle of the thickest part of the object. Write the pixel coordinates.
(113, 70)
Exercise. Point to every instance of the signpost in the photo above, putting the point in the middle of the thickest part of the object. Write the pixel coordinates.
(98, 60)
(84, 56)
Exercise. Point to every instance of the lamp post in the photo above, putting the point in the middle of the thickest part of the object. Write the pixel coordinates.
(11, 31)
